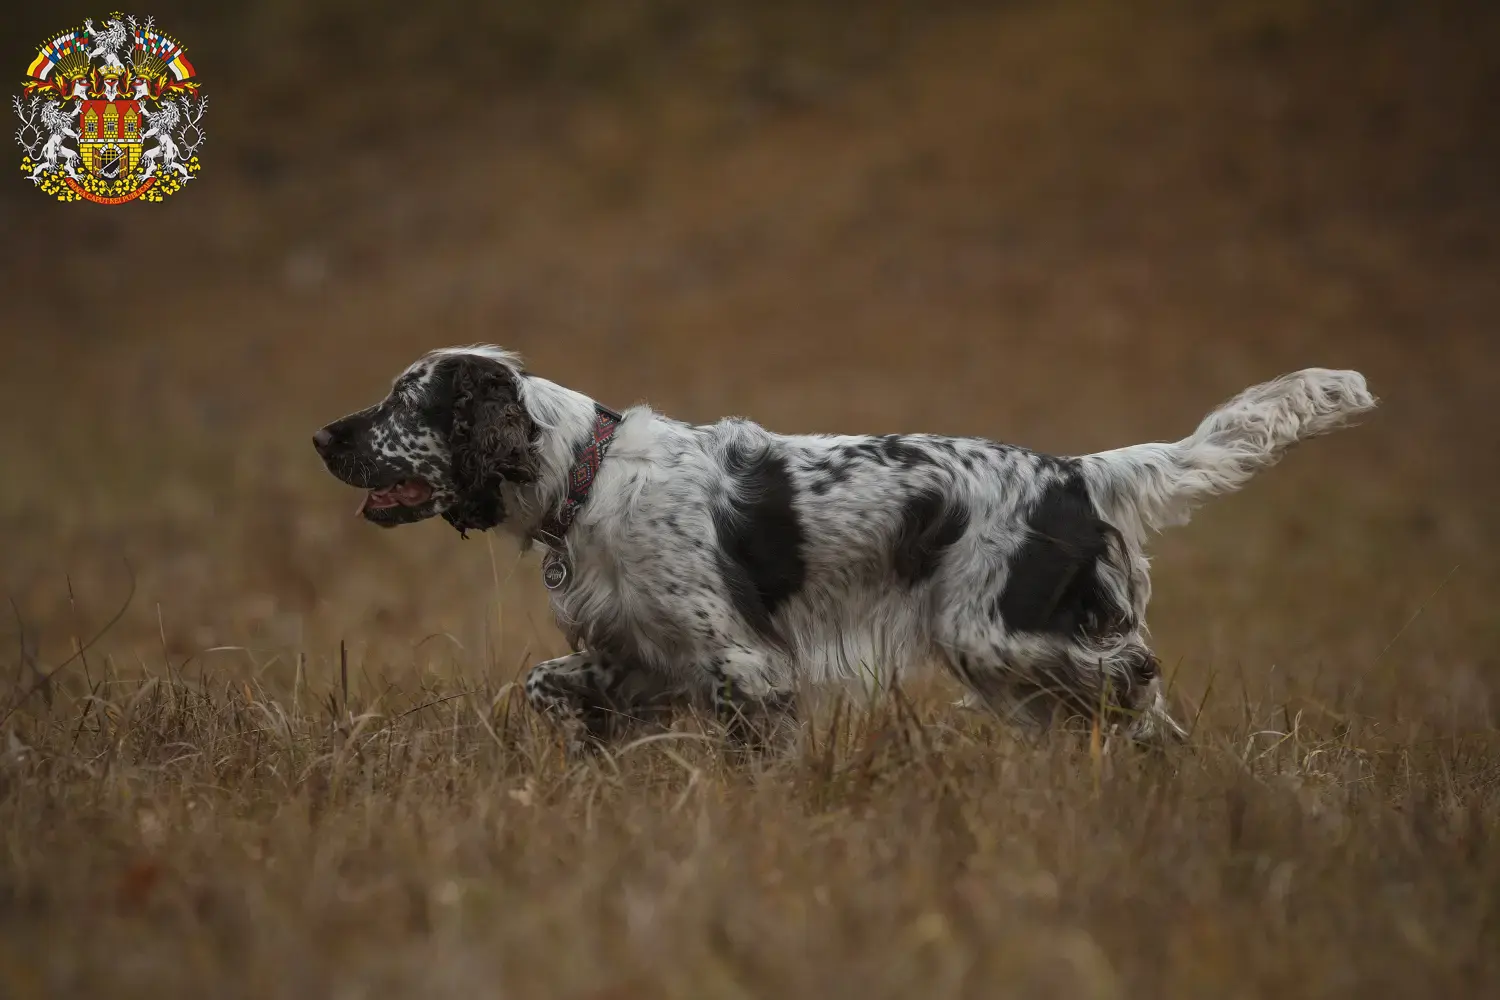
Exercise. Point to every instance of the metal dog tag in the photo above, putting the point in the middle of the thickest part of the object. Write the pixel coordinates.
(554, 570)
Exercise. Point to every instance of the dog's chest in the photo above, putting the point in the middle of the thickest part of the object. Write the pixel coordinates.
(638, 602)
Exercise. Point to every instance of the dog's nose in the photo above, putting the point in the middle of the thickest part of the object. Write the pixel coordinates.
(322, 440)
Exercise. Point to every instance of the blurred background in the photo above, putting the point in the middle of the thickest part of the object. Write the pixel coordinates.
(1068, 225)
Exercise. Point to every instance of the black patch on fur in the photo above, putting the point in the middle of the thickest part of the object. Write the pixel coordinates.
(902, 453)
(1053, 585)
(863, 451)
(760, 538)
(930, 523)
(833, 470)
(828, 471)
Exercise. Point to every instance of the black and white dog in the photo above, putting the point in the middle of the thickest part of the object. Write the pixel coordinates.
(727, 566)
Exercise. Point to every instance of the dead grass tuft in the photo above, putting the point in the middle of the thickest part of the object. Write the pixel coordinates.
(410, 834)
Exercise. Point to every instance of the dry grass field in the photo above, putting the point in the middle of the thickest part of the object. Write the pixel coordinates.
(252, 748)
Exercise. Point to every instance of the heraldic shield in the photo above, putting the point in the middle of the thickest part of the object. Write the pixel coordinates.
(111, 114)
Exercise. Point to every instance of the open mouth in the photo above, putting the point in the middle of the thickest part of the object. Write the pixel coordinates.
(403, 493)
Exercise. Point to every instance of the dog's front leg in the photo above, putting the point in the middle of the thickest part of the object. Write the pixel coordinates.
(594, 697)
(755, 711)
(577, 693)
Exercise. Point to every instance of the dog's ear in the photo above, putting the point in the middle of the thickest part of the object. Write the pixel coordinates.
(492, 432)
(491, 436)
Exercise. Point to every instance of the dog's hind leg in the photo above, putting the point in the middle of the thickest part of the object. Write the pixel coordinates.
(1054, 626)
(1036, 681)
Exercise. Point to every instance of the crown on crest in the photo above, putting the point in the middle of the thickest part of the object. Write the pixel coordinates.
(144, 62)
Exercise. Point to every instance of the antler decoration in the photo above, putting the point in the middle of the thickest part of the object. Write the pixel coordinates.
(191, 134)
(140, 32)
(28, 115)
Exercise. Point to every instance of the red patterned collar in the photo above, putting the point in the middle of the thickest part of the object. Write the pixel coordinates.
(586, 461)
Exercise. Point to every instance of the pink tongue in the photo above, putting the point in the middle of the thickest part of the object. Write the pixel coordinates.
(376, 499)
(409, 492)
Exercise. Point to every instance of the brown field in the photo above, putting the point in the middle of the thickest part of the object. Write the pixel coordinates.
(1068, 225)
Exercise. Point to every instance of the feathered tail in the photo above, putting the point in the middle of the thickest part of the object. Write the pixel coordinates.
(1147, 487)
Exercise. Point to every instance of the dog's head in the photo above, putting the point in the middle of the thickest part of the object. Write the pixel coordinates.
(451, 432)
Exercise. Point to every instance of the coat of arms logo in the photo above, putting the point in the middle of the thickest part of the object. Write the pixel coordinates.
(110, 114)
